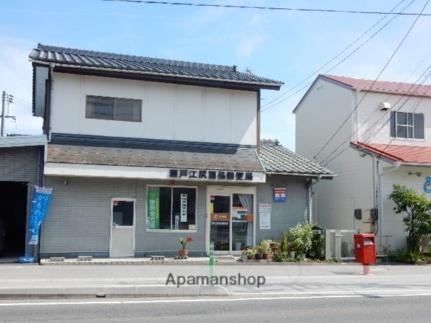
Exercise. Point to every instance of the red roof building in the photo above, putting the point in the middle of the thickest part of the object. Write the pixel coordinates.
(402, 88)
(412, 155)
(374, 135)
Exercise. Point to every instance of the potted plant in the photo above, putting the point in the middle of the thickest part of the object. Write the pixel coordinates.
(275, 245)
(268, 255)
(183, 252)
(250, 253)
(259, 252)
(265, 248)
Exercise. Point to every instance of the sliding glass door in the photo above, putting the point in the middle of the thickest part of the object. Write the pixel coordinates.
(231, 218)
(220, 222)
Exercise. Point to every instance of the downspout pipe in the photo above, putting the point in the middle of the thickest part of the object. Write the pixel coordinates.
(373, 163)
(312, 182)
(44, 150)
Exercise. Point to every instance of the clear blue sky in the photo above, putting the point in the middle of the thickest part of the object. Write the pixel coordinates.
(282, 45)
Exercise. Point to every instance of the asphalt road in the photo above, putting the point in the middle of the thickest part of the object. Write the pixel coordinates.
(321, 309)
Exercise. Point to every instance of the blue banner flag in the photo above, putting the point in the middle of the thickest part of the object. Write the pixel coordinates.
(39, 209)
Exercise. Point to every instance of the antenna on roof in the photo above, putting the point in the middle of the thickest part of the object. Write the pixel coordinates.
(234, 68)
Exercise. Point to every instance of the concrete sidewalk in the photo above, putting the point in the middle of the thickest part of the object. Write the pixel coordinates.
(34, 281)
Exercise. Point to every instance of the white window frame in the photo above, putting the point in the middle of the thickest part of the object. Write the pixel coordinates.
(171, 230)
(407, 126)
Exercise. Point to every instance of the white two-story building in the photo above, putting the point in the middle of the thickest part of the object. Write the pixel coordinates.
(373, 135)
(143, 151)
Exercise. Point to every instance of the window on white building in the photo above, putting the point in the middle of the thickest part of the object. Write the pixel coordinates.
(407, 125)
(107, 108)
(171, 208)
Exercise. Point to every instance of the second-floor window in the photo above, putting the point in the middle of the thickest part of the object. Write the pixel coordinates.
(407, 125)
(107, 108)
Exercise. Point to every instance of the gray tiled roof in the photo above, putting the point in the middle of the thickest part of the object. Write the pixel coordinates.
(146, 65)
(243, 159)
(277, 159)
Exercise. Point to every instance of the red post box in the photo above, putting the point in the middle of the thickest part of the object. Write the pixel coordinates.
(365, 248)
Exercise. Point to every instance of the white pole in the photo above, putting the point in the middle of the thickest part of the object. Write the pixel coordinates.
(3, 99)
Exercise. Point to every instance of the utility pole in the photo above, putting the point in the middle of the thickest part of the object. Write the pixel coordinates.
(5, 98)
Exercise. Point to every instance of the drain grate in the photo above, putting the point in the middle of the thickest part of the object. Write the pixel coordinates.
(158, 258)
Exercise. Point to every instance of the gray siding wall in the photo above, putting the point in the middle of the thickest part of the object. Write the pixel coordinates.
(79, 215)
(283, 215)
(79, 218)
(20, 164)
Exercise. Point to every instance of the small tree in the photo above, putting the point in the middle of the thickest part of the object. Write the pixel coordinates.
(417, 210)
(300, 239)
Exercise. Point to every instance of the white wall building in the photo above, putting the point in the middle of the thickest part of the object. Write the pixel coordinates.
(144, 151)
(373, 136)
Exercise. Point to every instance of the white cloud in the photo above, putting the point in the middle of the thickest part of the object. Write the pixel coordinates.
(16, 79)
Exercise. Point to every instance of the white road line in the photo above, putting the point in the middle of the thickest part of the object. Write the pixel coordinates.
(336, 292)
(218, 300)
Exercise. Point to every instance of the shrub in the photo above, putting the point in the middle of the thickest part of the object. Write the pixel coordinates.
(284, 243)
(299, 239)
(416, 209)
(317, 250)
(406, 255)
(281, 256)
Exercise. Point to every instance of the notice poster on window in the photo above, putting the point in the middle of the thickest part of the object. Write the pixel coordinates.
(265, 216)
(153, 208)
(183, 209)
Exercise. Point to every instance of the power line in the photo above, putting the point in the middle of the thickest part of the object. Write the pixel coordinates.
(425, 75)
(276, 101)
(330, 158)
(271, 8)
(403, 39)
(421, 61)
(397, 110)
(388, 120)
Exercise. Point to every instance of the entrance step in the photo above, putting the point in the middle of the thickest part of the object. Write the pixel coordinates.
(226, 259)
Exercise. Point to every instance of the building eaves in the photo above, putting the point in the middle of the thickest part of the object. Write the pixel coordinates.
(388, 87)
(277, 159)
(320, 77)
(22, 141)
(403, 154)
(243, 159)
(84, 59)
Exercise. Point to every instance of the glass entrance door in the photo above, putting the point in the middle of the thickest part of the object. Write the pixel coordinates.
(220, 222)
(231, 221)
(242, 221)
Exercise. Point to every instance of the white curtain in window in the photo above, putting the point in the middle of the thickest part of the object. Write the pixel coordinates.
(246, 201)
